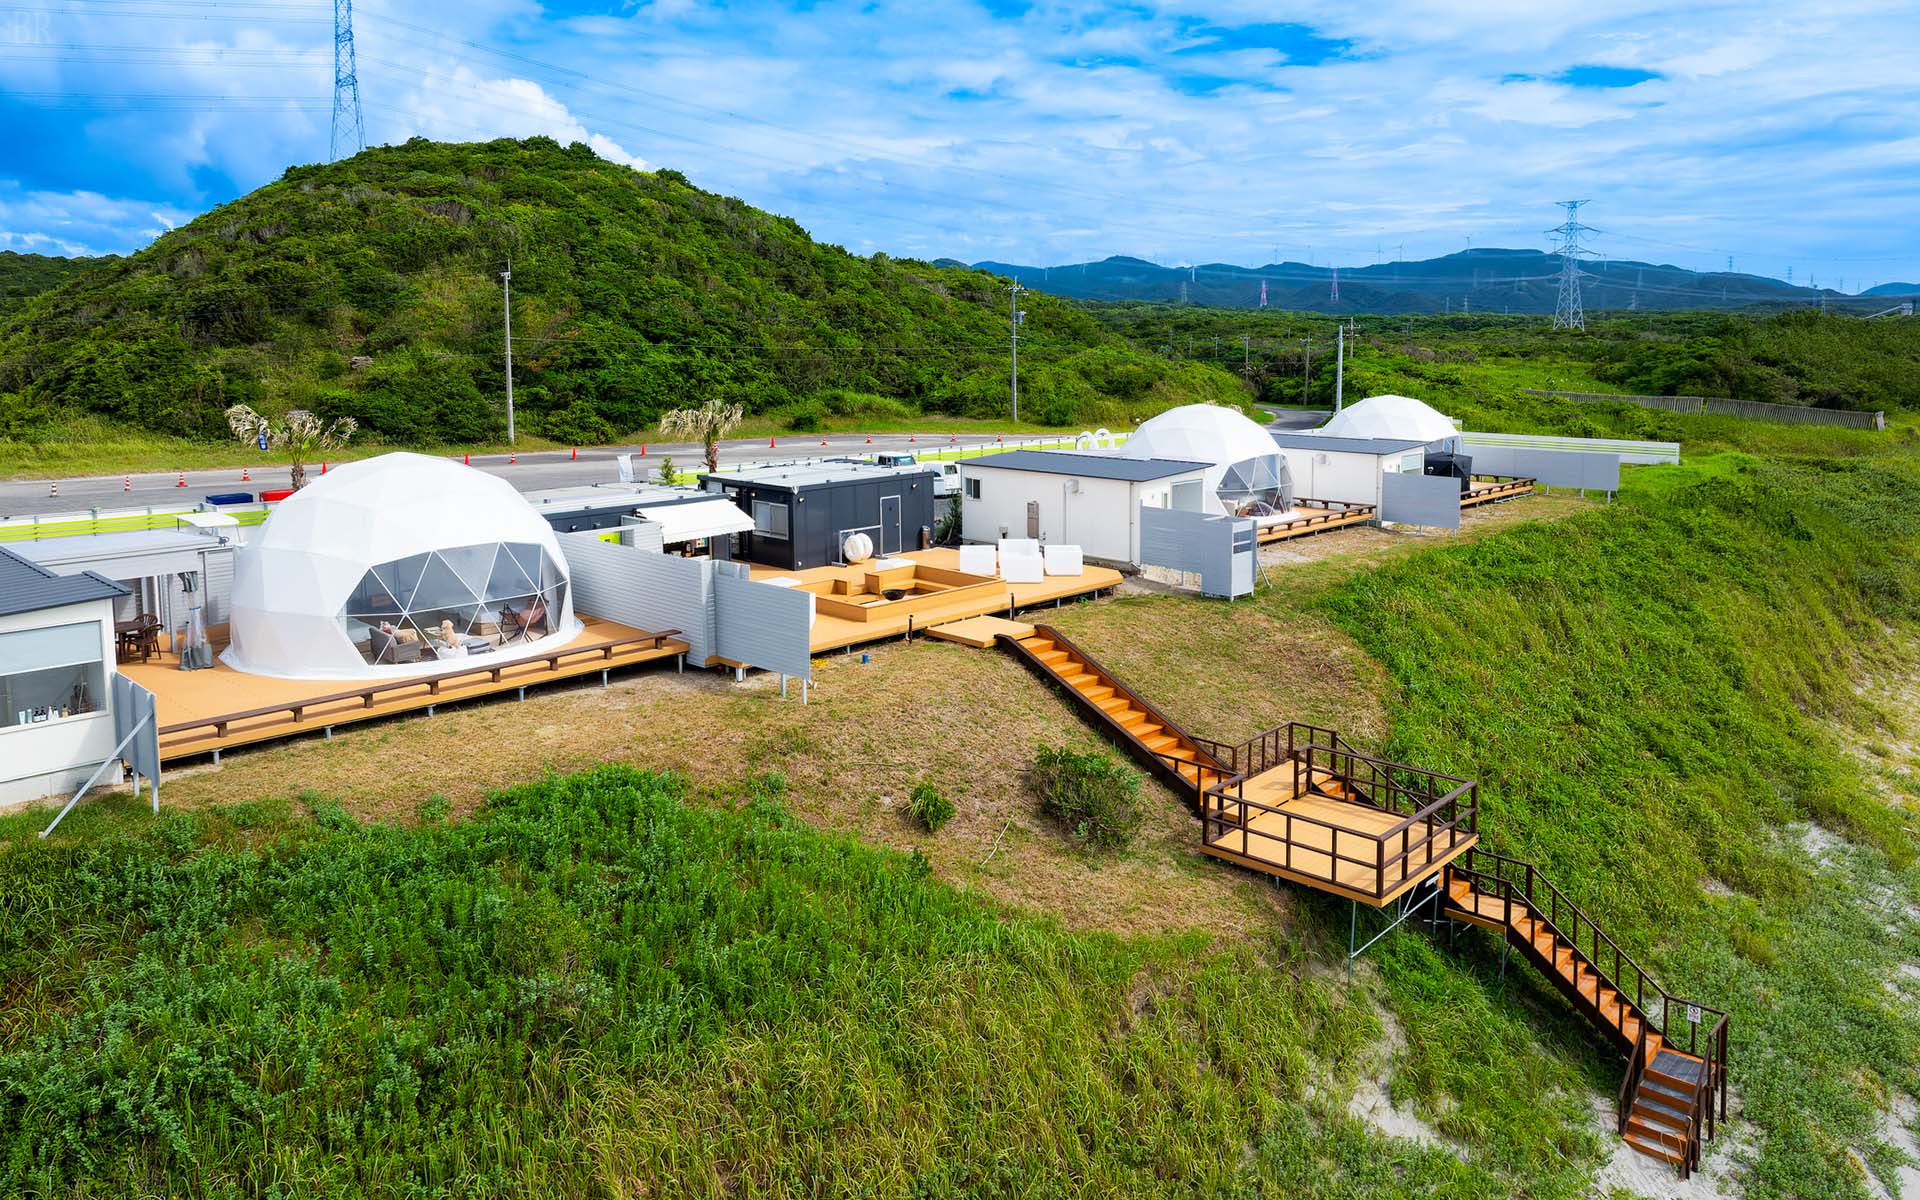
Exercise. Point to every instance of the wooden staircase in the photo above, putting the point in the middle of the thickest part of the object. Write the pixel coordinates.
(1161, 746)
(1672, 1097)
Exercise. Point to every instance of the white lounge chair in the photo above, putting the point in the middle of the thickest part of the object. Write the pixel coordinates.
(1022, 568)
(1019, 546)
(979, 560)
(1064, 560)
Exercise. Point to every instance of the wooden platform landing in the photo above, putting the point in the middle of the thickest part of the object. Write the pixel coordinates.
(199, 699)
(1486, 491)
(833, 633)
(1303, 849)
(980, 632)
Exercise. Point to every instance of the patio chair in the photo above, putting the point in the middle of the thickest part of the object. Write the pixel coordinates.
(1064, 560)
(979, 560)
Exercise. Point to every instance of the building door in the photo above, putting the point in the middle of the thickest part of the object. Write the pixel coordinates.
(890, 525)
(1033, 519)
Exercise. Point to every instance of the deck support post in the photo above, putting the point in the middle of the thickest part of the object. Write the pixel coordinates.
(429, 710)
(803, 690)
(523, 693)
(783, 685)
(680, 664)
(329, 733)
(1503, 958)
(603, 677)
(216, 756)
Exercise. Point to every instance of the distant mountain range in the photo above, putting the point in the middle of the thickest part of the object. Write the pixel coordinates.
(1894, 289)
(1485, 280)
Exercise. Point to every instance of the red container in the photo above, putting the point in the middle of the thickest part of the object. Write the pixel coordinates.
(270, 497)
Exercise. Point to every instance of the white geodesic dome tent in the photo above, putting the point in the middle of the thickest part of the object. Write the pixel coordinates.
(393, 566)
(1401, 418)
(1244, 465)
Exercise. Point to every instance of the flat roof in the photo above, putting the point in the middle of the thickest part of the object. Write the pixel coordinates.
(1345, 445)
(26, 586)
(89, 547)
(794, 476)
(609, 495)
(1087, 464)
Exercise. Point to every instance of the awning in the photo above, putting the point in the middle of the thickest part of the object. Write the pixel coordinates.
(209, 520)
(697, 519)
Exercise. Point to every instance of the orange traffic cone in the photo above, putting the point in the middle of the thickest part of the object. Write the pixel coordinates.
(770, 445)
(1000, 439)
(126, 484)
(909, 439)
(869, 439)
(513, 459)
(466, 460)
(53, 489)
(245, 475)
(576, 455)
(182, 481)
(823, 441)
(323, 468)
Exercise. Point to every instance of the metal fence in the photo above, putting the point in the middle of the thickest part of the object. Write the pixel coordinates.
(1584, 470)
(1720, 406)
(762, 625)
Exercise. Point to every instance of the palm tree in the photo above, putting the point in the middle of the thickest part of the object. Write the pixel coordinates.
(706, 424)
(299, 435)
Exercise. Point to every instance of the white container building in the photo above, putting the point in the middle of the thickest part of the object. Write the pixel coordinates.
(1074, 498)
(1344, 469)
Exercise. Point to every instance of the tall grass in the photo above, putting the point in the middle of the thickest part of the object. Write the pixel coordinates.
(595, 989)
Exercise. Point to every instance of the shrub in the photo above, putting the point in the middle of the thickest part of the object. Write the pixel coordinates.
(929, 807)
(1095, 797)
(806, 418)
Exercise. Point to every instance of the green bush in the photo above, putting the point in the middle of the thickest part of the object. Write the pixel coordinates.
(1095, 797)
(929, 807)
(805, 418)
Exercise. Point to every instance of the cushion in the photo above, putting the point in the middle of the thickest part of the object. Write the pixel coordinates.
(979, 560)
(1022, 568)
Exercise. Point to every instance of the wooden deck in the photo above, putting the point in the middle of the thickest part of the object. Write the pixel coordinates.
(204, 712)
(1486, 491)
(982, 596)
(1354, 850)
(1318, 519)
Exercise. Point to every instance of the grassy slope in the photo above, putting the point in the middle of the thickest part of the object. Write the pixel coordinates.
(593, 989)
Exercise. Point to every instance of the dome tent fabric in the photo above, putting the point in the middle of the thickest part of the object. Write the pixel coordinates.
(362, 572)
(1401, 418)
(1245, 462)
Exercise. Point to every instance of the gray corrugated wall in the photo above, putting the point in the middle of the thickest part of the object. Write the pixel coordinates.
(762, 625)
(1218, 549)
(643, 589)
(1554, 468)
(1421, 499)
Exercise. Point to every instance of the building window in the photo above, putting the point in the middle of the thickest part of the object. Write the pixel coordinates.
(973, 488)
(51, 674)
(454, 602)
(770, 519)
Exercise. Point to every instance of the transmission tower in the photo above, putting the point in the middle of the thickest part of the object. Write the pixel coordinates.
(349, 129)
(1263, 293)
(1568, 312)
(1334, 298)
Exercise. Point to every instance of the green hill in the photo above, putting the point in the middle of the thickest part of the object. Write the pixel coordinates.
(371, 287)
(25, 275)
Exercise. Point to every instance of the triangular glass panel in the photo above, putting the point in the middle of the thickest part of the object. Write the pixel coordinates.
(439, 588)
(473, 564)
(401, 577)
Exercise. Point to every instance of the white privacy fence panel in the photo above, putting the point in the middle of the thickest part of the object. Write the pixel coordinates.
(1634, 452)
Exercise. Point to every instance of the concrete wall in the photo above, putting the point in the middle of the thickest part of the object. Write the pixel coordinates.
(41, 760)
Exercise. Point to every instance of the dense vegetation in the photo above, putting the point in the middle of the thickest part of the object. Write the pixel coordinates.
(24, 275)
(1812, 358)
(370, 287)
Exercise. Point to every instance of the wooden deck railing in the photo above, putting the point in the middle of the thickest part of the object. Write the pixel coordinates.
(1704, 1028)
(1429, 815)
(369, 693)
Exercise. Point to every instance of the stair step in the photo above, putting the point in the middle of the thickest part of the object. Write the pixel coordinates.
(1660, 1114)
(1096, 693)
(1079, 679)
(1158, 742)
(1114, 704)
(1648, 1141)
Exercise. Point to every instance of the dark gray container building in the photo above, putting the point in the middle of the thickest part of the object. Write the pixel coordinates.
(804, 513)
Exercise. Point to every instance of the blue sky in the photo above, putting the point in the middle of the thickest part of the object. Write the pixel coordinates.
(1785, 135)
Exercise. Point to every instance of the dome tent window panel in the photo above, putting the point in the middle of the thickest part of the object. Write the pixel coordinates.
(397, 580)
(508, 578)
(473, 564)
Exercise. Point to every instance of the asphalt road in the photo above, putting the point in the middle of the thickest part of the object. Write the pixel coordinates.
(527, 472)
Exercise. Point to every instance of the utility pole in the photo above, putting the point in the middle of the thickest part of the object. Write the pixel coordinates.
(1246, 359)
(1306, 379)
(1340, 369)
(1013, 324)
(506, 303)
